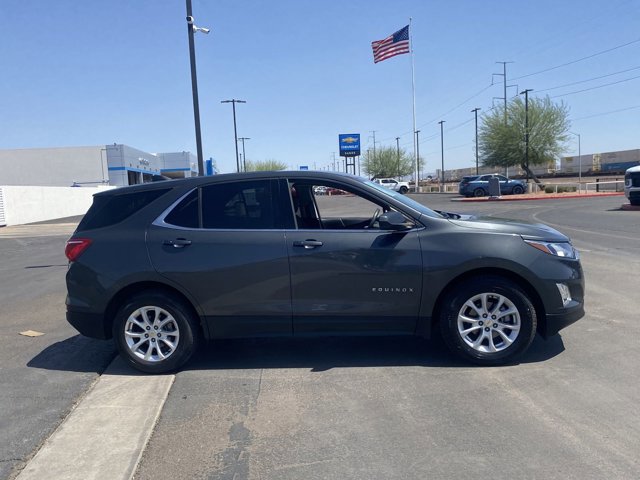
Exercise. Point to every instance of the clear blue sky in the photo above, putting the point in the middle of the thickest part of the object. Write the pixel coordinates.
(94, 72)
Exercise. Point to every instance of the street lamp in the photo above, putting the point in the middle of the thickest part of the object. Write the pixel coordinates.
(579, 160)
(526, 128)
(235, 129)
(441, 122)
(191, 29)
(244, 155)
(475, 110)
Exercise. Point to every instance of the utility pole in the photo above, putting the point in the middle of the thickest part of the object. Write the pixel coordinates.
(398, 148)
(504, 97)
(191, 29)
(418, 163)
(374, 143)
(526, 128)
(334, 161)
(475, 110)
(441, 122)
(244, 155)
(579, 161)
(235, 129)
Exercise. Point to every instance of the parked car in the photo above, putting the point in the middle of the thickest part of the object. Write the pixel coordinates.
(393, 184)
(632, 185)
(478, 185)
(160, 267)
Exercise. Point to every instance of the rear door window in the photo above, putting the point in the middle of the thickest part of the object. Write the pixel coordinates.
(108, 210)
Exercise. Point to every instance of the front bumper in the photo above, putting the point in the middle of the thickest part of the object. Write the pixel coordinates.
(557, 321)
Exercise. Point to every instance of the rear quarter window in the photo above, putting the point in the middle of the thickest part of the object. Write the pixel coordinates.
(111, 209)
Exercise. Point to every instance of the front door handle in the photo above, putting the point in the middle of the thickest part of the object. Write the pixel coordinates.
(307, 244)
(177, 243)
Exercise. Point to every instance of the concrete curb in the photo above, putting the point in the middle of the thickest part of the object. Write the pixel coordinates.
(514, 198)
(107, 432)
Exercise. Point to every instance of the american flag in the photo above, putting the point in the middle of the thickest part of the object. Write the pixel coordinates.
(393, 45)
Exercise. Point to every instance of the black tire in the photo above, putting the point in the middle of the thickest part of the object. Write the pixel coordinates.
(180, 329)
(479, 192)
(496, 288)
(635, 201)
(403, 190)
(518, 190)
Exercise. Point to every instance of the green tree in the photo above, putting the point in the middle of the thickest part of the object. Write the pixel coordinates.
(385, 163)
(503, 144)
(266, 165)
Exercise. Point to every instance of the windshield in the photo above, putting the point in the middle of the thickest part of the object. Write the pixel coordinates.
(403, 199)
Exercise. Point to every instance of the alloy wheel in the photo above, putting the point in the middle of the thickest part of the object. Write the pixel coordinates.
(489, 322)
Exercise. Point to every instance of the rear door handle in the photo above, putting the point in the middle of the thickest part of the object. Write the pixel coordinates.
(307, 244)
(177, 243)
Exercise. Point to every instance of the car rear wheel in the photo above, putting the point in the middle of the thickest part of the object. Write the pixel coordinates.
(518, 190)
(156, 332)
(488, 321)
(479, 192)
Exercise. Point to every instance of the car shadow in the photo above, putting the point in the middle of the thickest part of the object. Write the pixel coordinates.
(322, 354)
(75, 354)
(87, 355)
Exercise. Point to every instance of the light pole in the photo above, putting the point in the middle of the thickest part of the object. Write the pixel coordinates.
(526, 128)
(191, 29)
(475, 110)
(244, 155)
(579, 160)
(418, 163)
(398, 148)
(441, 122)
(235, 129)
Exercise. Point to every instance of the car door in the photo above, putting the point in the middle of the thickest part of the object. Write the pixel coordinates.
(348, 275)
(505, 184)
(224, 243)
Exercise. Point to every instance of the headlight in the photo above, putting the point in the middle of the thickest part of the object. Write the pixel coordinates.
(560, 249)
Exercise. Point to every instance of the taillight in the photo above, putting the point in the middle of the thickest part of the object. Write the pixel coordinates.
(75, 247)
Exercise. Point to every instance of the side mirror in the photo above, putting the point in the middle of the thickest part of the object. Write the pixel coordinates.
(393, 221)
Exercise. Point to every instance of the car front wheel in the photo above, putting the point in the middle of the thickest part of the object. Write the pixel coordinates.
(403, 190)
(488, 321)
(518, 190)
(156, 332)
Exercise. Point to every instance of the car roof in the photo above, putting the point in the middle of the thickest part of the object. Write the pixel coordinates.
(231, 177)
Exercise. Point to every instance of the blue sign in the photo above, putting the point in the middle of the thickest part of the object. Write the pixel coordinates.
(349, 144)
(304, 167)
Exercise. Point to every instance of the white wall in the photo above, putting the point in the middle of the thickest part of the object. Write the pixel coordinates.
(36, 204)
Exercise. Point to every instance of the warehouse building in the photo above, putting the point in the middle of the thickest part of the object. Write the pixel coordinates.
(115, 164)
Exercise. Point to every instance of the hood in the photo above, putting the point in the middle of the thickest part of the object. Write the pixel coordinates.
(533, 231)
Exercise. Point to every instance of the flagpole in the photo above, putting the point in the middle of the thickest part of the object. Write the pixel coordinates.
(413, 91)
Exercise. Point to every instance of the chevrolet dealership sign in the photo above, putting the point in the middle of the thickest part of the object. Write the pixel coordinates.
(349, 144)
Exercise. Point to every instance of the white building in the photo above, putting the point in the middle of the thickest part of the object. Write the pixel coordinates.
(115, 164)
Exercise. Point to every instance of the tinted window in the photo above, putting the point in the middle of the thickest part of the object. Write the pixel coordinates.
(485, 178)
(501, 178)
(185, 214)
(111, 209)
(240, 205)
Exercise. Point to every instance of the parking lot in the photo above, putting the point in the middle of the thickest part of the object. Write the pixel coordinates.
(354, 408)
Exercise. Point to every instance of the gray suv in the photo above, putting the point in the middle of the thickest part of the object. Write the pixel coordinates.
(163, 266)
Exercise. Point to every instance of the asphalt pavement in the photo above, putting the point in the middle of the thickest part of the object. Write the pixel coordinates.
(353, 408)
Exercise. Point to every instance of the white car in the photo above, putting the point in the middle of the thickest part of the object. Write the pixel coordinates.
(393, 184)
(632, 185)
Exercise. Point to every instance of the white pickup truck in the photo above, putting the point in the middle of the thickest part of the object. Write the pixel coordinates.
(632, 185)
(393, 184)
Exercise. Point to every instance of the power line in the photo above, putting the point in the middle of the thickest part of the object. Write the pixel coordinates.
(596, 87)
(605, 113)
(587, 80)
(579, 59)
